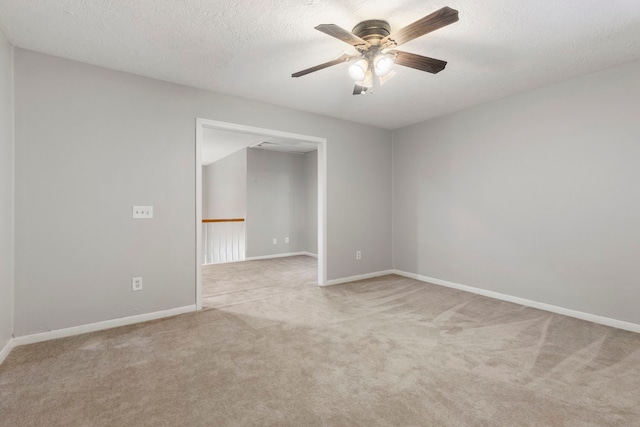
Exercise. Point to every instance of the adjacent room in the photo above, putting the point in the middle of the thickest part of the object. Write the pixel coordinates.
(432, 210)
(259, 202)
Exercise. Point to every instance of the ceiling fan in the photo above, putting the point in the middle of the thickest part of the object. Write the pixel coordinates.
(374, 42)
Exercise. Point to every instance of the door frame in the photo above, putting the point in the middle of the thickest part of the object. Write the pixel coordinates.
(202, 123)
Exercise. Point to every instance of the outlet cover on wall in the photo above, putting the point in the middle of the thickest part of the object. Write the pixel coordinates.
(143, 212)
(136, 284)
(286, 240)
(275, 241)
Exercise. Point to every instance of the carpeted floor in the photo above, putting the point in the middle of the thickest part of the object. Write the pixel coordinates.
(242, 282)
(380, 352)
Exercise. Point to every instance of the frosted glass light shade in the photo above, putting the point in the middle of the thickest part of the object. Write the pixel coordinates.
(358, 70)
(382, 65)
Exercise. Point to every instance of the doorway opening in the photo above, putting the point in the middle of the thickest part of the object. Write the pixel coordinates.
(203, 125)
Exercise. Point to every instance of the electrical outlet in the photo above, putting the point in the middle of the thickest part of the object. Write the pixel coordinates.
(275, 241)
(286, 240)
(143, 212)
(136, 284)
(358, 255)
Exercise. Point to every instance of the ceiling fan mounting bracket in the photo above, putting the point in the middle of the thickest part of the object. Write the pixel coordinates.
(372, 30)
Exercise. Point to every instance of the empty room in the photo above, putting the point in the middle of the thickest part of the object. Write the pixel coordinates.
(433, 210)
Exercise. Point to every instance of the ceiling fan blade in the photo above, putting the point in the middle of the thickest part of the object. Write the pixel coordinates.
(359, 89)
(339, 60)
(341, 34)
(419, 62)
(429, 23)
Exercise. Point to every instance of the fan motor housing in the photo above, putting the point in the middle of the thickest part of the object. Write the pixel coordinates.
(372, 30)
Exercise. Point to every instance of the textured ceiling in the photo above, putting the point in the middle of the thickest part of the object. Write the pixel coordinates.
(249, 48)
(217, 144)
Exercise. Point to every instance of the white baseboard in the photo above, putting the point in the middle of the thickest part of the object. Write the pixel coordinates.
(256, 258)
(99, 326)
(358, 277)
(620, 324)
(6, 350)
(222, 262)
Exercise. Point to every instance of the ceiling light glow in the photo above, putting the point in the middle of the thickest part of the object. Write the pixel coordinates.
(382, 65)
(358, 70)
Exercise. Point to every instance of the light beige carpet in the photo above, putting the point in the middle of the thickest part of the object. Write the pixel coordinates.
(242, 282)
(380, 352)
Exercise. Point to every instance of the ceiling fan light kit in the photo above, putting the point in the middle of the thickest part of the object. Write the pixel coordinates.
(382, 64)
(358, 70)
(376, 57)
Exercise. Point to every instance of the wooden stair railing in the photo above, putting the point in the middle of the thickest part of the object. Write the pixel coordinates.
(224, 220)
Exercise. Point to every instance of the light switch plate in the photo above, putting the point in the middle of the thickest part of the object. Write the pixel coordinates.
(143, 212)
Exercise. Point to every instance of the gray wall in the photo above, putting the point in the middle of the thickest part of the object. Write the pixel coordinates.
(276, 202)
(224, 187)
(535, 196)
(92, 142)
(362, 186)
(6, 191)
(311, 192)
